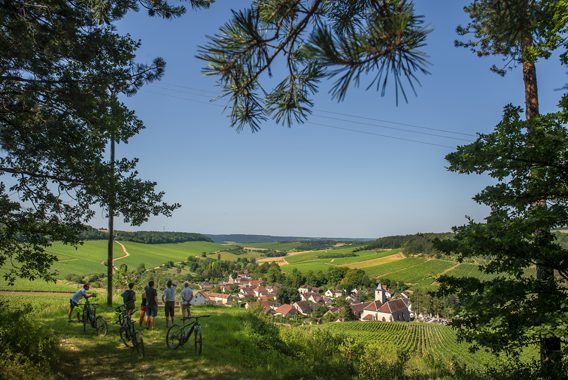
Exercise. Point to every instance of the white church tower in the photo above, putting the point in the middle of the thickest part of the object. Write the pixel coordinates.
(380, 294)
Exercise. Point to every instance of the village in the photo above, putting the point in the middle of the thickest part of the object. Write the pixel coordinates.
(244, 291)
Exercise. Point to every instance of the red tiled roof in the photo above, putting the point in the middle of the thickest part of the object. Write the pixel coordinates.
(368, 317)
(373, 306)
(393, 307)
(285, 309)
(218, 295)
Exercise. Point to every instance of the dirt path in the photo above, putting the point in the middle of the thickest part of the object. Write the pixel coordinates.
(33, 294)
(123, 249)
(449, 269)
(375, 262)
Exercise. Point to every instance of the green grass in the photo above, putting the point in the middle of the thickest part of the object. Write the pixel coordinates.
(38, 286)
(88, 258)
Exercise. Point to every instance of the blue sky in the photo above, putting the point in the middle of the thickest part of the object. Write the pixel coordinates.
(317, 179)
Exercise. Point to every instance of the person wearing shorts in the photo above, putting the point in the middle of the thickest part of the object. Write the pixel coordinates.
(169, 298)
(75, 298)
(186, 297)
(151, 305)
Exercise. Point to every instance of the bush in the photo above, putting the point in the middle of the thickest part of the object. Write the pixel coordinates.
(28, 349)
(74, 278)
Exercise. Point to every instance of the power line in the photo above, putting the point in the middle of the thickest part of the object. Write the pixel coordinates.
(379, 134)
(311, 123)
(416, 126)
(393, 128)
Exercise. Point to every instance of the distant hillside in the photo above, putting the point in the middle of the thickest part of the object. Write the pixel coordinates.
(244, 238)
(410, 244)
(146, 237)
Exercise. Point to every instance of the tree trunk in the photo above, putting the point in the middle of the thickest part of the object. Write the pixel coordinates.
(110, 265)
(550, 353)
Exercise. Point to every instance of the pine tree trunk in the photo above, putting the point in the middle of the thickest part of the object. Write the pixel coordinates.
(550, 353)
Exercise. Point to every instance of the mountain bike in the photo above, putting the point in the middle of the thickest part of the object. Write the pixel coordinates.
(178, 335)
(87, 313)
(129, 334)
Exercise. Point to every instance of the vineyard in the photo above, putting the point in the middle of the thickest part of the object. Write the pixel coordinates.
(419, 339)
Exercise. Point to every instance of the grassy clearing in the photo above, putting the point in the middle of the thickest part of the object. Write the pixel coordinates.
(374, 262)
(391, 268)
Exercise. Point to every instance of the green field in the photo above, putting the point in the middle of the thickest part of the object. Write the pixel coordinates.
(89, 257)
(277, 246)
(312, 260)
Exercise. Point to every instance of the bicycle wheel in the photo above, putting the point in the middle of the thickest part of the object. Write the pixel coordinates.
(125, 336)
(101, 326)
(84, 320)
(174, 337)
(139, 344)
(198, 340)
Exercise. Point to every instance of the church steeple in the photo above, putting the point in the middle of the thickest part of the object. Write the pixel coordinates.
(380, 294)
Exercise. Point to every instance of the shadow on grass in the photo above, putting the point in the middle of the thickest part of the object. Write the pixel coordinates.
(236, 344)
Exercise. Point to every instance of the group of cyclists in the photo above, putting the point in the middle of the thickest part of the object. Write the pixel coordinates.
(149, 303)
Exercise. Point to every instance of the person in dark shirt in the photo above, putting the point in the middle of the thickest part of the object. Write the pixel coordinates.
(151, 305)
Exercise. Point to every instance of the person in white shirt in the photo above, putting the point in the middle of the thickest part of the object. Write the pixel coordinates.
(186, 297)
(75, 298)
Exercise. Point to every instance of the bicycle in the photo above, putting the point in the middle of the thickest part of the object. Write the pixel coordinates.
(178, 335)
(87, 313)
(130, 336)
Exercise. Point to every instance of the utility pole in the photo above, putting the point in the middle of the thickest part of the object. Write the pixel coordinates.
(110, 265)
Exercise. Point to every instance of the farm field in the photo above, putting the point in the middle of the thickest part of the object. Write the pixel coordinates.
(321, 260)
(421, 340)
(88, 258)
(469, 270)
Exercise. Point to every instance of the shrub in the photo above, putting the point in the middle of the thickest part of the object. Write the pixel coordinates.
(28, 349)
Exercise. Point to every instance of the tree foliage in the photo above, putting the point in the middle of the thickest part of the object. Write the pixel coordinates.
(315, 40)
(528, 160)
(520, 31)
(63, 67)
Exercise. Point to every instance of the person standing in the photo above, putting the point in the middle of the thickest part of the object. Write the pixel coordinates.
(143, 308)
(79, 294)
(186, 297)
(151, 305)
(129, 299)
(169, 298)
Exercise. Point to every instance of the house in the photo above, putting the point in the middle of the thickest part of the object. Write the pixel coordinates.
(357, 308)
(260, 291)
(315, 298)
(285, 310)
(303, 307)
(219, 298)
(312, 297)
(331, 293)
(307, 289)
(198, 299)
(393, 310)
(246, 292)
